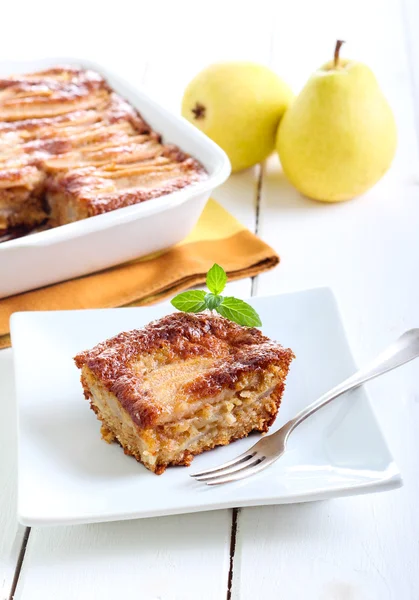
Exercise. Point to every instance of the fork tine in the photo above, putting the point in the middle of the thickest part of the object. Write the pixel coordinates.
(239, 459)
(241, 473)
(238, 466)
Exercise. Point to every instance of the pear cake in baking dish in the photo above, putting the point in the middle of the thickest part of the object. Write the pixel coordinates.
(182, 385)
(72, 148)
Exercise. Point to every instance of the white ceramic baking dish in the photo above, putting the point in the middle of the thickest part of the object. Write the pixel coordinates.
(124, 234)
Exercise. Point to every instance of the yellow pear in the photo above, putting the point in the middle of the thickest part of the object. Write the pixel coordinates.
(339, 136)
(239, 106)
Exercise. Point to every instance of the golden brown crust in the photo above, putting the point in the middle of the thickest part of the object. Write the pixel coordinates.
(89, 146)
(234, 351)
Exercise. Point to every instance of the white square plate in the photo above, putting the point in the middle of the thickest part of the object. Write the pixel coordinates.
(67, 474)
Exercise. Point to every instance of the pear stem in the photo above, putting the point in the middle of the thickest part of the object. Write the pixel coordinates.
(338, 46)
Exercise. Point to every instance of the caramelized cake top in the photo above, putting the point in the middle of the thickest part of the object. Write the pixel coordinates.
(174, 364)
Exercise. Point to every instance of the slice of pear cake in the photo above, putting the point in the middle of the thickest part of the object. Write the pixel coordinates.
(182, 385)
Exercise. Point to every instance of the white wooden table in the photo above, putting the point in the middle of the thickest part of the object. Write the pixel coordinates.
(362, 548)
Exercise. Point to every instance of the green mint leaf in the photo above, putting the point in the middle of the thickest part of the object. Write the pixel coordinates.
(212, 301)
(239, 311)
(192, 301)
(216, 279)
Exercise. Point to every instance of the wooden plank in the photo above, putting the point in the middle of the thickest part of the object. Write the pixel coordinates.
(148, 558)
(188, 556)
(365, 547)
(345, 549)
(411, 19)
(11, 535)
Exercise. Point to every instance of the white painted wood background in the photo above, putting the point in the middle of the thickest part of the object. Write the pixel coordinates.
(364, 548)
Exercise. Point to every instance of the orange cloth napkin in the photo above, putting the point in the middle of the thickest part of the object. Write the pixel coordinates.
(217, 237)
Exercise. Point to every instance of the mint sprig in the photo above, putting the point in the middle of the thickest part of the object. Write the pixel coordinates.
(239, 311)
(193, 301)
(212, 301)
(216, 279)
(229, 307)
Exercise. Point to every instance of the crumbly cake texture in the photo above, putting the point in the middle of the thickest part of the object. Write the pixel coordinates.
(182, 385)
(71, 148)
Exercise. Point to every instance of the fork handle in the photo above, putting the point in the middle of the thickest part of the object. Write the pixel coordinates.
(403, 350)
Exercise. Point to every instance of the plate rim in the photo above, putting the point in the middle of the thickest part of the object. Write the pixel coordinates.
(391, 482)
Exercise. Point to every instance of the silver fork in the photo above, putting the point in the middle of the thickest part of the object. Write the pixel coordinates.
(267, 450)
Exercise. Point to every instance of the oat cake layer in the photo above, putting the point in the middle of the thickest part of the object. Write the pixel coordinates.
(182, 385)
(71, 148)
